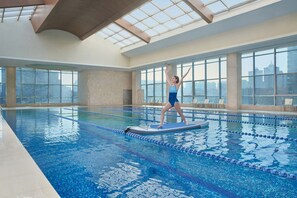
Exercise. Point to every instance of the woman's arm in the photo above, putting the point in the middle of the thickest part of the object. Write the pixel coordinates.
(181, 80)
(167, 76)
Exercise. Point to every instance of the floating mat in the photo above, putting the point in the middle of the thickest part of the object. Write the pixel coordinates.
(167, 127)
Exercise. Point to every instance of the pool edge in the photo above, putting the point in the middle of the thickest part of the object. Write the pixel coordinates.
(20, 175)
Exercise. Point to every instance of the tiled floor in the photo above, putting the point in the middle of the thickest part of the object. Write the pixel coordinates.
(19, 174)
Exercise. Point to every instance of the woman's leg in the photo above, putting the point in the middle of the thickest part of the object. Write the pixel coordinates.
(165, 108)
(179, 111)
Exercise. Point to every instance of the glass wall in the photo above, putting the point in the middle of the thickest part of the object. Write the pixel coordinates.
(207, 79)
(153, 84)
(210, 80)
(2, 85)
(46, 86)
(269, 76)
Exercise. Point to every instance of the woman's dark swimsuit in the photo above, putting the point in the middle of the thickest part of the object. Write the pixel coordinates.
(172, 95)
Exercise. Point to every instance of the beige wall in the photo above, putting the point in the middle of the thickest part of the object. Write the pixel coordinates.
(137, 93)
(103, 87)
(19, 41)
(272, 29)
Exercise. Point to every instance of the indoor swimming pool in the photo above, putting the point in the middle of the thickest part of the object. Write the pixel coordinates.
(84, 152)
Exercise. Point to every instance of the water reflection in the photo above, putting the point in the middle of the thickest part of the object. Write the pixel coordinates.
(42, 124)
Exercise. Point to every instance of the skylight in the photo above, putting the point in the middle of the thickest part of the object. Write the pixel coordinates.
(154, 18)
(160, 16)
(16, 13)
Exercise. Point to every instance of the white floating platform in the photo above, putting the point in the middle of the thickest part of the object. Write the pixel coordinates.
(167, 127)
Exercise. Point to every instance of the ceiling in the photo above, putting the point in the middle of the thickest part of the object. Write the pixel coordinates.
(126, 23)
(148, 25)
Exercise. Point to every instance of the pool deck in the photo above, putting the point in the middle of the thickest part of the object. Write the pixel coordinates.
(19, 174)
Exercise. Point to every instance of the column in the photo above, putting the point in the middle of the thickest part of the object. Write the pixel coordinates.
(10, 86)
(233, 81)
(83, 94)
(137, 92)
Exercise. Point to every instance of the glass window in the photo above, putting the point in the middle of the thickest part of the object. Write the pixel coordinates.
(269, 51)
(75, 78)
(247, 86)
(66, 94)
(41, 76)
(158, 75)
(280, 63)
(264, 85)
(280, 100)
(187, 88)
(287, 84)
(264, 100)
(18, 76)
(212, 88)
(54, 77)
(143, 77)
(75, 91)
(54, 91)
(143, 87)
(199, 88)
(286, 62)
(185, 69)
(224, 90)
(247, 83)
(264, 64)
(46, 86)
(164, 92)
(66, 78)
(223, 69)
(2, 75)
(212, 70)
(28, 76)
(247, 66)
(2, 85)
(150, 76)
(150, 90)
(178, 70)
(248, 100)
(187, 99)
(158, 90)
(28, 91)
(199, 70)
(41, 91)
(18, 91)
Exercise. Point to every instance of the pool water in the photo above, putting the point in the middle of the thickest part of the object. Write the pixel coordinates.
(84, 153)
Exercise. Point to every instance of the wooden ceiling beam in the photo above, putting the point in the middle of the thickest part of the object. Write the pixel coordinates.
(131, 6)
(201, 9)
(82, 17)
(133, 30)
(20, 3)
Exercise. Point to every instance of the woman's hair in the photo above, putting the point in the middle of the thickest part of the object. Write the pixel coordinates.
(177, 79)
